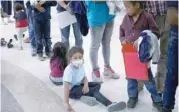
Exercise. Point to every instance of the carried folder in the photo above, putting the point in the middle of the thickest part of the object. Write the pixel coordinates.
(65, 19)
(133, 67)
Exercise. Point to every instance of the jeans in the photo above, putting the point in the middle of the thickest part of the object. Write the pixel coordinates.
(150, 85)
(65, 33)
(42, 34)
(101, 34)
(31, 28)
(76, 93)
(171, 81)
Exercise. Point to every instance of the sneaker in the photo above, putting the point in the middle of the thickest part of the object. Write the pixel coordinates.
(110, 73)
(166, 110)
(34, 52)
(3, 42)
(91, 101)
(15, 37)
(116, 106)
(41, 58)
(157, 106)
(96, 77)
(132, 102)
(9, 44)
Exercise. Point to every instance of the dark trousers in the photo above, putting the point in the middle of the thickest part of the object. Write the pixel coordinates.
(171, 81)
(42, 34)
(76, 93)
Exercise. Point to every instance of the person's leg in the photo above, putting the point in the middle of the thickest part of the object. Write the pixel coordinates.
(132, 93)
(78, 35)
(65, 33)
(20, 37)
(38, 36)
(163, 26)
(151, 87)
(171, 82)
(96, 37)
(47, 39)
(106, 40)
(31, 31)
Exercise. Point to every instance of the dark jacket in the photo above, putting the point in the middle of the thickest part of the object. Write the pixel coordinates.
(41, 16)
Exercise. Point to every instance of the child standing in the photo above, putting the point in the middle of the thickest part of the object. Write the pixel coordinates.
(21, 22)
(41, 20)
(58, 63)
(76, 85)
(133, 24)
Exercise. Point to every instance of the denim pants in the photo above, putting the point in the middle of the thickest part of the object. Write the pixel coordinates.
(76, 93)
(42, 34)
(171, 81)
(101, 34)
(31, 28)
(150, 85)
(65, 33)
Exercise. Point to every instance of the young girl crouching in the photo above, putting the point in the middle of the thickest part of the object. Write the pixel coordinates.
(58, 63)
(76, 85)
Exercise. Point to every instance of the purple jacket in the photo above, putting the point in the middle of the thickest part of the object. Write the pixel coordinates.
(130, 30)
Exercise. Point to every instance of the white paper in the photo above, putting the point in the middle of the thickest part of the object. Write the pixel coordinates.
(65, 19)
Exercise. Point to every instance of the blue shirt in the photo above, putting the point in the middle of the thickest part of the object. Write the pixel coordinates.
(73, 75)
(98, 13)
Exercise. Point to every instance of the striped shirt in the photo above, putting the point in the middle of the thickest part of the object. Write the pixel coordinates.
(156, 7)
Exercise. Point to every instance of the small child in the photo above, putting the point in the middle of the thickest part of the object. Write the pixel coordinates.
(58, 63)
(76, 85)
(21, 22)
(136, 21)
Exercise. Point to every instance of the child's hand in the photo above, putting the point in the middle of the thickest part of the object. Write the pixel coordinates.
(68, 108)
(124, 42)
(136, 44)
(85, 89)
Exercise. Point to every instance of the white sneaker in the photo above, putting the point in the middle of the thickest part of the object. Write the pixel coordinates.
(108, 72)
(96, 77)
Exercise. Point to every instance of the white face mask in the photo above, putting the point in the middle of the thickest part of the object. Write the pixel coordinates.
(77, 63)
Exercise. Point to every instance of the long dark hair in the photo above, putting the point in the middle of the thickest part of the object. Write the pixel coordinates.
(60, 53)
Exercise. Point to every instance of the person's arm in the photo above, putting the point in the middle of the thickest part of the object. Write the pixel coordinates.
(62, 4)
(85, 87)
(172, 16)
(66, 95)
(153, 26)
(172, 12)
(122, 34)
(49, 4)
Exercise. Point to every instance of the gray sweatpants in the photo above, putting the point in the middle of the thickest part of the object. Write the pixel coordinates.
(100, 35)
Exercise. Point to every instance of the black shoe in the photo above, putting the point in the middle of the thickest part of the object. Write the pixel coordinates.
(3, 42)
(158, 106)
(166, 110)
(9, 44)
(41, 58)
(132, 102)
(15, 36)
